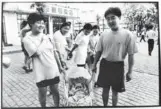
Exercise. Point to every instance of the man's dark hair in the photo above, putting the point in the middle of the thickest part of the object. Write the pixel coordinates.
(96, 27)
(149, 26)
(87, 26)
(65, 24)
(33, 17)
(113, 10)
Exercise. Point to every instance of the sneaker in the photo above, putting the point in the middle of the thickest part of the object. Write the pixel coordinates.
(27, 70)
(150, 54)
(24, 67)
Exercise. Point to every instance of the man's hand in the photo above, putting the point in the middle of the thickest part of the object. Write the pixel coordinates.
(64, 75)
(94, 68)
(70, 55)
(128, 76)
(65, 66)
(61, 70)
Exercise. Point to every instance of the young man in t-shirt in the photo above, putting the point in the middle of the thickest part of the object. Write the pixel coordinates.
(151, 36)
(113, 46)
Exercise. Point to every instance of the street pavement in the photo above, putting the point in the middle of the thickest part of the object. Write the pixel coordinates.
(19, 89)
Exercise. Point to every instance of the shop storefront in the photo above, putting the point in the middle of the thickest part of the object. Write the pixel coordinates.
(56, 15)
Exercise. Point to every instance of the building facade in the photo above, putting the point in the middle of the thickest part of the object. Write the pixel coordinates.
(14, 14)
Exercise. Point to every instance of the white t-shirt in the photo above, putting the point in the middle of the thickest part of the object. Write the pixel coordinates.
(93, 42)
(60, 42)
(115, 45)
(81, 52)
(44, 65)
(151, 34)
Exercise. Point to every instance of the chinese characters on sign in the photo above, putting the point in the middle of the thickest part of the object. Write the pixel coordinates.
(59, 10)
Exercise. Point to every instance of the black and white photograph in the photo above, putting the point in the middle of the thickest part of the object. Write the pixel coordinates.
(80, 54)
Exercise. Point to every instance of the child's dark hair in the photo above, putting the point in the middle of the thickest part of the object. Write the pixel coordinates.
(65, 24)
(96, 27)
(113, 10)
(33, 17)
(87, 26)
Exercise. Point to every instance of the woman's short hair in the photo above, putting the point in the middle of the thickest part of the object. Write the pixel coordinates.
(113, 10)
(33, 17)
(87, 26)
(65, 24)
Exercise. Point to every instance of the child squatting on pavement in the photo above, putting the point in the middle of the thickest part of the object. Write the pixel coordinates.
(113, 46)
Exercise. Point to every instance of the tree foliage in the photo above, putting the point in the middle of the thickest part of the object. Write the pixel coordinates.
(140, 13)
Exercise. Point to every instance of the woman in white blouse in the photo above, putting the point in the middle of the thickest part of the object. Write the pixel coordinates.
(46, 65)
(61, 45)
(81, 45)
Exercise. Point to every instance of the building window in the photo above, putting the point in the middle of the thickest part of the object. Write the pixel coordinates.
(57, 22)
(65, 11)
(46, 9)
(70, 12)
(60, 10)
(54, 9)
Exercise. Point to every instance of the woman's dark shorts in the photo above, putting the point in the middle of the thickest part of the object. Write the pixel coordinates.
(111, 74)
(49, 82)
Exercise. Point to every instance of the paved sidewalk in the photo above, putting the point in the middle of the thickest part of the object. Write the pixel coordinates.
(19, 89)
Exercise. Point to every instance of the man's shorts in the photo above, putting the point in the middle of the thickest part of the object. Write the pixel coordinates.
(111, 74)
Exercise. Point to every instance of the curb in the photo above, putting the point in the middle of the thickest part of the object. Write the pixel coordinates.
(11, 52)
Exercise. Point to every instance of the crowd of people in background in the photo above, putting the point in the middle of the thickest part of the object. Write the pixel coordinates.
(47, 55)
(149, 35)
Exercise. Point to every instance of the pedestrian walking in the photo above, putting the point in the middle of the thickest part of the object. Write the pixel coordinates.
(46, 65)
(142, 36)
(25, 30)
(113, 46)
(61, 42)
(151, 35)
(81, 45)
(92, 49)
